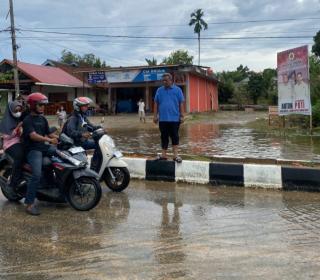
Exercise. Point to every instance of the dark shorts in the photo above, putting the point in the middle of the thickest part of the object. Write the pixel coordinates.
(169, 129)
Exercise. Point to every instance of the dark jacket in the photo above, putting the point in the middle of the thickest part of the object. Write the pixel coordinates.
(76, 125)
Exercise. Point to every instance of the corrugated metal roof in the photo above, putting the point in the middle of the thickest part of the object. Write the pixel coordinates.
(47, 74)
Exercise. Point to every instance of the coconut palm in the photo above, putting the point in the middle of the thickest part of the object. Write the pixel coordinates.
(199, 24)
(151, 62)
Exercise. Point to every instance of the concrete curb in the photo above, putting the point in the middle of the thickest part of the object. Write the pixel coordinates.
(229, 174)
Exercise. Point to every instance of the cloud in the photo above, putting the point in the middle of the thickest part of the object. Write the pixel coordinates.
(162, 18)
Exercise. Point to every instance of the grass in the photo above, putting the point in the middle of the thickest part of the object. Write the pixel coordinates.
(293, 128)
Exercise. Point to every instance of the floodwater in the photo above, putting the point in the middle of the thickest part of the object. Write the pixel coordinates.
(157, 230)
(207, 139)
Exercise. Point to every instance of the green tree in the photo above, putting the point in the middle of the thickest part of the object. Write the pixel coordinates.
(151, 62)
(6, 76)
(69, 57)
(229, 83)
(316, 45)
(88, 59)
(226, 87)
(314, 68)
(241, 73)
(269, 91)
(178, 57)
(255, 87)
(199, 24)
(240, 95)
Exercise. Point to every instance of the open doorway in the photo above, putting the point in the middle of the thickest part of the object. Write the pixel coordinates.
(127, 99)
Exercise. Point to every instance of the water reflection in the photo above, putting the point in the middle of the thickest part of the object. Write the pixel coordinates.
(170, 249)
(60, 237)
(230, 140)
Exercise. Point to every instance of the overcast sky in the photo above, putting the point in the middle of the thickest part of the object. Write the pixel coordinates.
(164, 18)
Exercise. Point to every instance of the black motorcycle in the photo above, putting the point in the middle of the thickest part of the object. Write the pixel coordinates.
(66, 177)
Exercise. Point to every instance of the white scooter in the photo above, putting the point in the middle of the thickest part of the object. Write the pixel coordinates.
(109, 165)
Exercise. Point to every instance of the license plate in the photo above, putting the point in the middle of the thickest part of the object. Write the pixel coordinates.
(76, 150)
(117, 154)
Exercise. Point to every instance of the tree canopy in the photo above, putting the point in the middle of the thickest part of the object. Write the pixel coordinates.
(86, 60)
(178, 57)
(316, 45)
(151, 62)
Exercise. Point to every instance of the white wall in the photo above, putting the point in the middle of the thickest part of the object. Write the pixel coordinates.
(70, 91)
(51, 89)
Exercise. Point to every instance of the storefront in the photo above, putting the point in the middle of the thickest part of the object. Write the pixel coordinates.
(125, 86)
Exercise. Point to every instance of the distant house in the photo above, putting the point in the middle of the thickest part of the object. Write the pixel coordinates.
(126, 85)
(98, 93)
(60, 86)
(119, 90)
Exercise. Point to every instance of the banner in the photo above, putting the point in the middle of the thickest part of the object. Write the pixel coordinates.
(293, 82)
(127, 76)
(97, 77)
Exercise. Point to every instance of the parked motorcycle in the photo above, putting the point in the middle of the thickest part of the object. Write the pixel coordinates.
(66, 177)
(109, 166)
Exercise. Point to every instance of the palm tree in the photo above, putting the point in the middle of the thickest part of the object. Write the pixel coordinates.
(199, 24)
(151, 62)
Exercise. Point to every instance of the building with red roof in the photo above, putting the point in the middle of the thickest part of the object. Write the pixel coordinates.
(60, 86)
(116, 89)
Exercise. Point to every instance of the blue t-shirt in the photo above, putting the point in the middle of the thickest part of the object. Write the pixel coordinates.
(168, 100)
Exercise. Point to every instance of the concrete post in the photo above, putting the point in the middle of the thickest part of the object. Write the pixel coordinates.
(109, 101)
(146, 98)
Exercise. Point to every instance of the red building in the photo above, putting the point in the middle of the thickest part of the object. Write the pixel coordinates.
(117, 88)
(60, 86)
(126, 85)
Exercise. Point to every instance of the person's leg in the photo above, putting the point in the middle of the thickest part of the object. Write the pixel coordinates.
(16, 151)
(174, 134)
(48, 174)
(144, 116)
(90, 145)
(164, 138)
(35, 160)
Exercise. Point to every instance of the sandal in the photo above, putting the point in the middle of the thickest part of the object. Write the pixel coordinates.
(161, 158)
(177, 159)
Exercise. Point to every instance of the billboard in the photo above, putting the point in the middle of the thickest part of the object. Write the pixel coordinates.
(97, 77)
(293, 82)
(127, 76)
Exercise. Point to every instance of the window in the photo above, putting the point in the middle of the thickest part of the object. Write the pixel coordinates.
(55, 97)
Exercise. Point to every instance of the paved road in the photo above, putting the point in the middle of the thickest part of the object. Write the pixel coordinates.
(159, 230)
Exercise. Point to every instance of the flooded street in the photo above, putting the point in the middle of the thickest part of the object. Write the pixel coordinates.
(158, 230)
(210, 139)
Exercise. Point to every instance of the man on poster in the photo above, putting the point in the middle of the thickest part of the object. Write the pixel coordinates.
(293, 82)
(286, 93)
(301, 91)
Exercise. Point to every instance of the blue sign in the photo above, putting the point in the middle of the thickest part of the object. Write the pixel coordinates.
(147, 75)
(97, 77)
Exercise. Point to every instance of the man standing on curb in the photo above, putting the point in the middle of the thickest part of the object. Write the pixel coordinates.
(168, 111)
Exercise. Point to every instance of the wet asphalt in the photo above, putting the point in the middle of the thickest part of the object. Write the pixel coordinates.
(160, 230)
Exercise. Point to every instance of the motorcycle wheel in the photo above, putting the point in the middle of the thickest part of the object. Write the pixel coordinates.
(7, 191)
(121, 181)
(84, 193)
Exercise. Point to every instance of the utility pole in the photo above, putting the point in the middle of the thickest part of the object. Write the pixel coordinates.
(14, 51)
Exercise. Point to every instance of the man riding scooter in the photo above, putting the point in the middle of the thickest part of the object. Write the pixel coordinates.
(78, 127)
(36, 137)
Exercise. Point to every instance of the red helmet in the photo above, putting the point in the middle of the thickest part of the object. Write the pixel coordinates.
(81, 101)
(36, 98)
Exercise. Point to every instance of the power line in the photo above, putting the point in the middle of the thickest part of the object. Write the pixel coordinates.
(216, 46)
(177, 25)
(166, 37)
